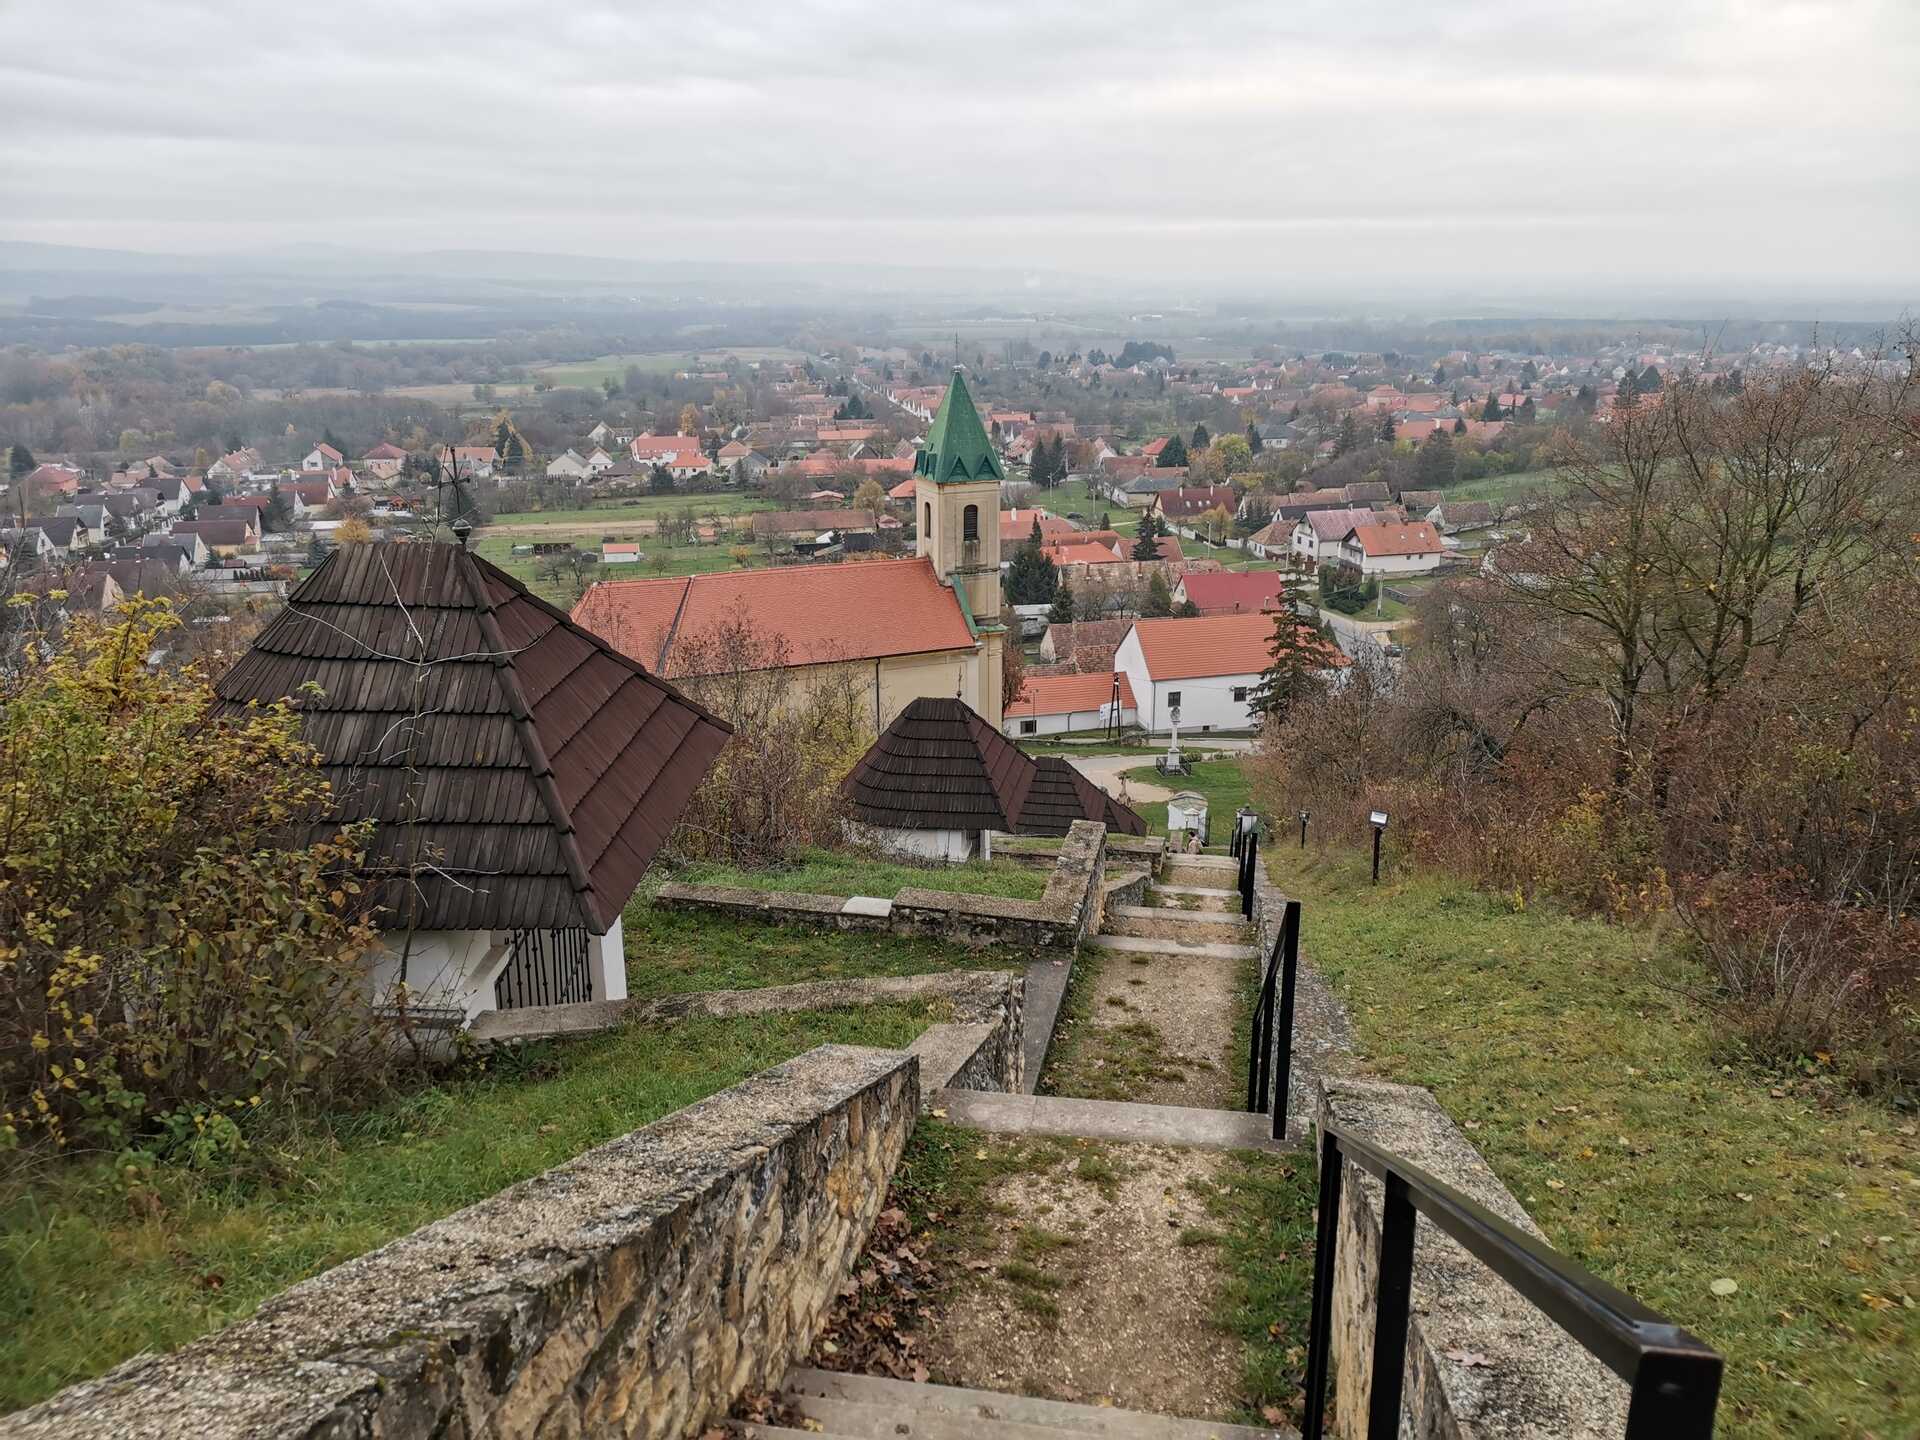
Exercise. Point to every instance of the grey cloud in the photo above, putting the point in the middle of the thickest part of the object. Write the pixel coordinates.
(1322, 142)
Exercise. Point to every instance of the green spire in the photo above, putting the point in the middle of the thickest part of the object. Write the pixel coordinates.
(957, 447)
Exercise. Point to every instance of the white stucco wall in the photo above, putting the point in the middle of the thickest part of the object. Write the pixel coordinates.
(951, 846)
(1206, 702)
(1066, 723)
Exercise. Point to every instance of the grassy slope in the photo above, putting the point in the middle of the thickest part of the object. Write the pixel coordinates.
(94, 1274)
(671, 953)
(829, 872)
(1599, 1097)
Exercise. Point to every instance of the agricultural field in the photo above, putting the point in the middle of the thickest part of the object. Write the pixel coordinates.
(587, 374)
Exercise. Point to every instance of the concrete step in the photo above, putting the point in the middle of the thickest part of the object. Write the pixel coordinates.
(874, 1408)
(1120, 1120)
(1203, 890)
(1139, 945)
(1227, 864)
(1198, 918)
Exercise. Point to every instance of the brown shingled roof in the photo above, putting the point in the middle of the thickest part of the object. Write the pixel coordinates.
(1061, 795)
(940, 766)
(525, 771)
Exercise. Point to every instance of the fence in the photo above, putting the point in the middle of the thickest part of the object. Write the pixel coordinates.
(1673, 1379)
(1272, 1026)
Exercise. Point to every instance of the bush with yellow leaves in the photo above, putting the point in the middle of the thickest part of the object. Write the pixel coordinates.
(161, 948)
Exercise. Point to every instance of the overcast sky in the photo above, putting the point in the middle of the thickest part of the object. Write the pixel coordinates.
(1680, 141)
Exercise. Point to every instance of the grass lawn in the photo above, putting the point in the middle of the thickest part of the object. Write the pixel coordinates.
(1605, 1103)
(641, 507)
(831, 872)
(1504, 489)
(97, 1269)
(672, 952)
(1221, 780)
(662, 561)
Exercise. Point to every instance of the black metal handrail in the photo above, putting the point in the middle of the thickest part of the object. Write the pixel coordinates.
(1249, 868)
(1265, 1035)
(1674, 1378)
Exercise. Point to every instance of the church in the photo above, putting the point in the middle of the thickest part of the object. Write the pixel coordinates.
(929, 626)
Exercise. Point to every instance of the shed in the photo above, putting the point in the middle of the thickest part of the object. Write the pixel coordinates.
(522, 773)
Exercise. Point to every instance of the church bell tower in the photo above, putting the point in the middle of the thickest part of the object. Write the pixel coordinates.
(957, 508)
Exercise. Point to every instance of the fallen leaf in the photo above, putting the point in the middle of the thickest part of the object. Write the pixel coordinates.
(939, 1114)
(1556, 1184)
(1724, 1286)
(1742, 1195)
(1875, 1302)
(1273, 1415)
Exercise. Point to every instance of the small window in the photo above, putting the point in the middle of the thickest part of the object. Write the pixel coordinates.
(970, 523)
(1173, 698)
(1239, 693)
(1028, 727)
(926, 525)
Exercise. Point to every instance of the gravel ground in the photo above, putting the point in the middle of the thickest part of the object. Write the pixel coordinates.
(1133, 1326)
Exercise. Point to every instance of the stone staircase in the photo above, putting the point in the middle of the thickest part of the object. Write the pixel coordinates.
(866, 1407)
(1189, 914)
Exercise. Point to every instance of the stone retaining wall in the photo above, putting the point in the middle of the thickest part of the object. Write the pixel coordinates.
(1060, 918)
(636, 1290)
(1535, 1380)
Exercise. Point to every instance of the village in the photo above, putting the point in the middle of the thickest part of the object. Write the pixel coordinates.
(1342, 485)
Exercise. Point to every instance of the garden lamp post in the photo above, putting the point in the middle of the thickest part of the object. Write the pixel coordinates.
(1378, 819)
(1305, 815)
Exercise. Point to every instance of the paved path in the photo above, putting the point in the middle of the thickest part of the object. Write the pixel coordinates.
(1104, 771)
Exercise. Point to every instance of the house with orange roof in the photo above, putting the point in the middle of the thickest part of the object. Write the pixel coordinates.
(1412, 549)
(1062, 704)
(322, 457)
(1204, 670)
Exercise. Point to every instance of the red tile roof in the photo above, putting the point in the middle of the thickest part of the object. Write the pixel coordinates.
(1017, 525)
(1068, 695)
(1390, 540)
(1081, 553)
(1210, 645)
(823, 612)
(1228, 592)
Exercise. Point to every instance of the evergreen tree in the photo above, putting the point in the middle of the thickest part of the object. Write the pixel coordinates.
(1158, 600)
(1296, 660)
(1146, 541)
(1491, 410)
(1031, 577)
(1174, 454)
(1439, 373)
(1062, 611)
(1434, 466)
(1459, 425)
(1529, 372)
(1254, 443)
(20, 462)
(1386, 426)
(1201, 439)
(1526, 411)
(660, 480)
(1347, 438)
